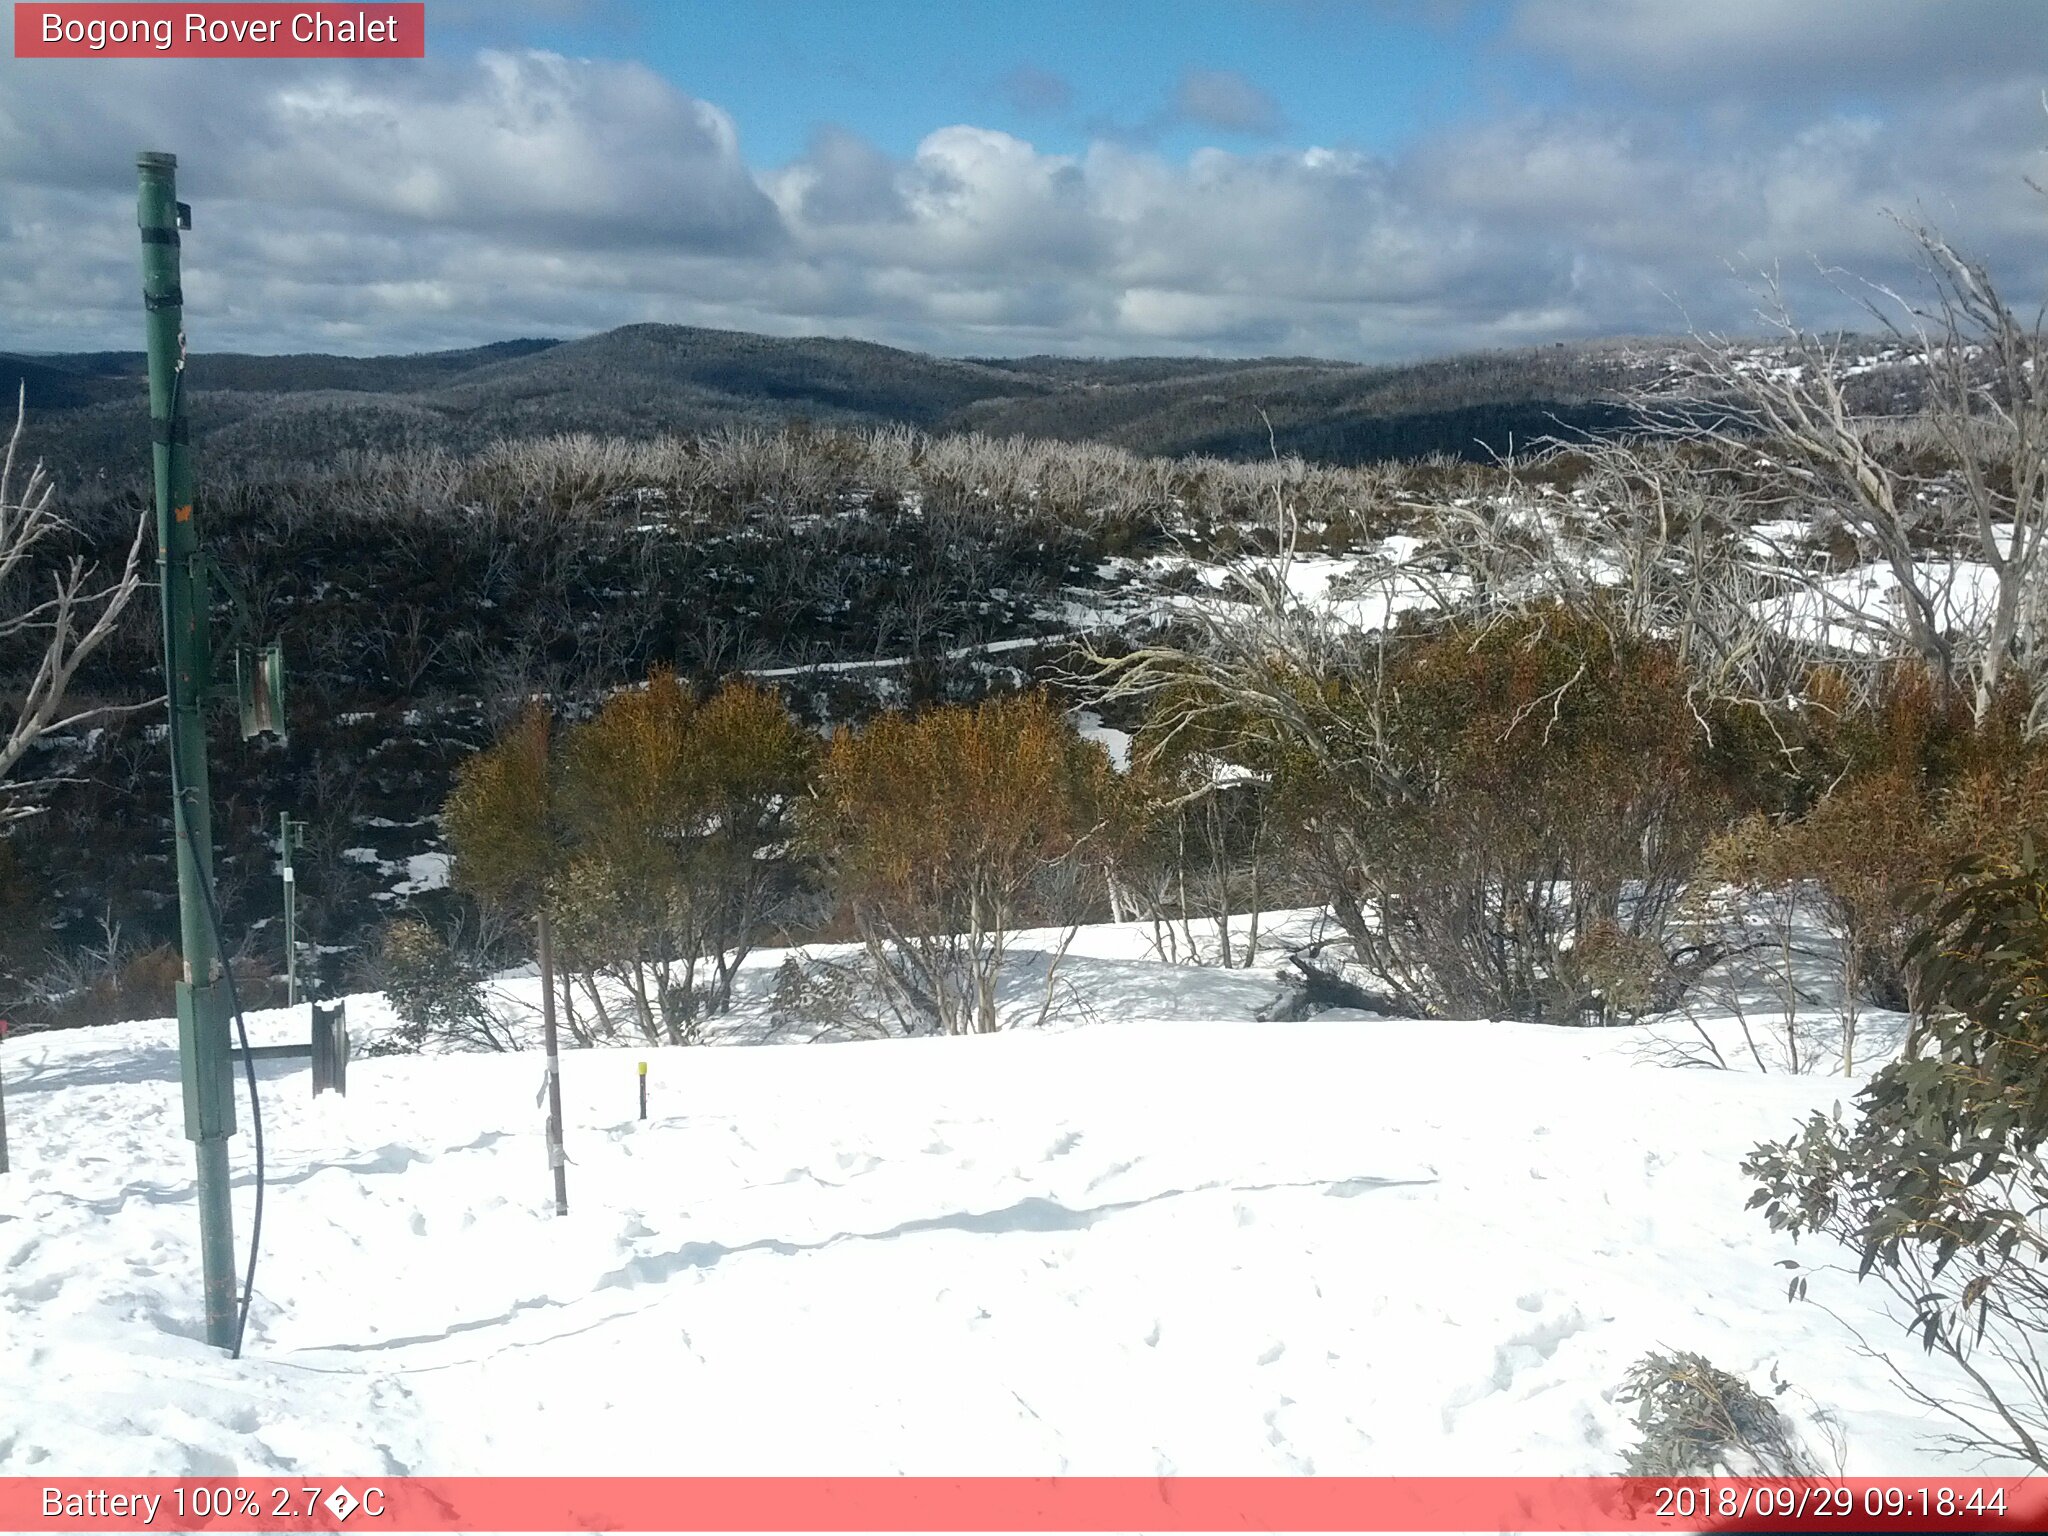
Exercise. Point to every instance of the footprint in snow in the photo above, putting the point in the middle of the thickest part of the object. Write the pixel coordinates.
(1512, 1357)
(1534, 1348)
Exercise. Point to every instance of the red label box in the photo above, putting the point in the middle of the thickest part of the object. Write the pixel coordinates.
(386, 1506)
(203, 31)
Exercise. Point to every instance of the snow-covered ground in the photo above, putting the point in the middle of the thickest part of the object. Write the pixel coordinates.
(1364, 592)
(1863, 610)
(1164, 1238)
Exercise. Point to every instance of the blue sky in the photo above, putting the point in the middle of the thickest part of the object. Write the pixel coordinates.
(1373, 179)
(1059, 74)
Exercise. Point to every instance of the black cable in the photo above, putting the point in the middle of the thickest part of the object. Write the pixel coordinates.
(220, 946)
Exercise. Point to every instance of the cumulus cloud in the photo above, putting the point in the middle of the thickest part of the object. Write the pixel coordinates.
(527, 145)
(842, 180)
(409, 206)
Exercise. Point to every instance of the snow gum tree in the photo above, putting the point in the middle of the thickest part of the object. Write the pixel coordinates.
(1501, 810)
(678, 818)
(947, 831)
(1196, 839)
(436, 993)
(1893, 781)
(501, 823)
(655, 834)
(1960, 526)
(500, 820)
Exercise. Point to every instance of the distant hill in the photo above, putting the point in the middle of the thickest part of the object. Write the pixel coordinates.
(59, 384)
(89, 414)
(1336, 412)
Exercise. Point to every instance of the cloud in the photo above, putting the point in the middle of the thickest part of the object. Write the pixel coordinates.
(1214, 99)
(1760, 47)
(1225, 99)
(842, 180)
(410, 207)
(528, 146)
(1035, 91)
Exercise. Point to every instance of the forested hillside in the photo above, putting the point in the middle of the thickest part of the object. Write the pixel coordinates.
(645, 380)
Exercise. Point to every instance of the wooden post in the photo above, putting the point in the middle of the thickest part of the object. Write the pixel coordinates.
(557, 1158)
(643, 1104)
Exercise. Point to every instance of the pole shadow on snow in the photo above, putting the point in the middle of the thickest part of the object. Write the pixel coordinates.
(147, 1064)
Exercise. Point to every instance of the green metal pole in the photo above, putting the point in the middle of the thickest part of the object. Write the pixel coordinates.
(202, 1005)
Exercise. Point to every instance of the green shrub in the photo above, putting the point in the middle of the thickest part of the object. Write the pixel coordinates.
(1698, 1420)
(1890, 791)
(1506, 816)
(947, 831)
(1938, 1184)
(436, 995)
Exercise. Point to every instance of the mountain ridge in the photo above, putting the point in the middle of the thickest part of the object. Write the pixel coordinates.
(646, 379)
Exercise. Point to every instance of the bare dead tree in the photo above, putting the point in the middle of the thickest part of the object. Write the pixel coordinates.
(1655, 541)
(1986, 405)
(1250, 653)
(56, 632)
(406, 644)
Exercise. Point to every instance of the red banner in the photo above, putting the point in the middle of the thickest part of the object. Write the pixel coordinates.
(923, 1504)
(214, 31)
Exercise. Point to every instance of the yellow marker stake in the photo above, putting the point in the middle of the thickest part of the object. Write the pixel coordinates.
(643, 1090)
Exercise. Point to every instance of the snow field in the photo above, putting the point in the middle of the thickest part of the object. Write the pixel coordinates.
(1171, 1241)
